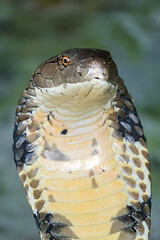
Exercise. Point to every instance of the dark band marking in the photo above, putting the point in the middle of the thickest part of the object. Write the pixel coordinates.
(37, 193)
(23, 150)
(94, 183)
(64, 131)
(130, 126)
(94, 142)
(22, 178)
(134, 219)
(52, 153)
(94, 152)
(55, 226)
(39, 204)
(140, 174)
(32, 173)
(51, 198)
(34, 183)
(130, 181)
(137, 161)
(91, 173)
(124, 158)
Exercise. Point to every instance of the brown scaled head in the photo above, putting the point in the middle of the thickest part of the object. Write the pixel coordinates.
(76, 65)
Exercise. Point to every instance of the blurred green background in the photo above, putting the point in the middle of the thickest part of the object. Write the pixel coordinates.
(34, 30)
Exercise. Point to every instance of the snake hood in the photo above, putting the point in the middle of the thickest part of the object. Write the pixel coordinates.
(80, 151)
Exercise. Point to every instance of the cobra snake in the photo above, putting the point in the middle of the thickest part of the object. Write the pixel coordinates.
(80, 151)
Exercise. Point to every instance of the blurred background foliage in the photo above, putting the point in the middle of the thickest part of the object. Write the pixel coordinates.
(34, 30)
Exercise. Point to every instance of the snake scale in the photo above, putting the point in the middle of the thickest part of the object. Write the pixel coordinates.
(80, 151)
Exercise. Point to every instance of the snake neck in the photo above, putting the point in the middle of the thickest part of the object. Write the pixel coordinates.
(75, 98)
(73, 137)
(69, 120)
(73, 141)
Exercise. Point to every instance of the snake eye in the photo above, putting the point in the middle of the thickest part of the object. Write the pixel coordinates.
(66, 61)
(110, 59)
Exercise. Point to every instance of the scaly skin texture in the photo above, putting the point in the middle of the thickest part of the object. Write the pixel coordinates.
(80, 151)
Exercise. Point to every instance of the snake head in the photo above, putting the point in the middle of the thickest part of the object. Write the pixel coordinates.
(76, 65)
(81, 75)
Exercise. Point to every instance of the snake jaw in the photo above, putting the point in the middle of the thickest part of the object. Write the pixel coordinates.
(81, 95)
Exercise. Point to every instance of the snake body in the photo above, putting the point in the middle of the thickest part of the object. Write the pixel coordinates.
(80, 151)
